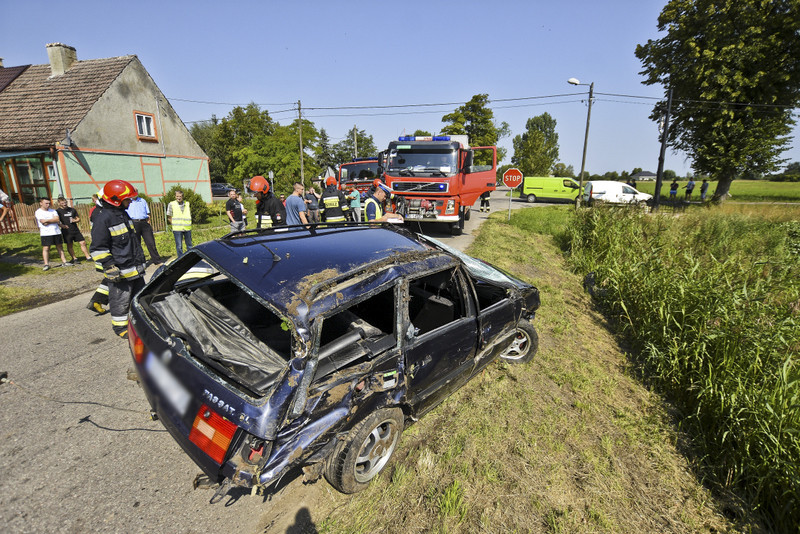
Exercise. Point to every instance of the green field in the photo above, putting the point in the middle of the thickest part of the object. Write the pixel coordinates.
(741, 190)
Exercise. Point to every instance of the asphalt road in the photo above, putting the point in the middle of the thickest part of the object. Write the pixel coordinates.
(78, 452)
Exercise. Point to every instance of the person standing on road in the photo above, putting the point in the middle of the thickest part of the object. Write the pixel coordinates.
(269, 210)
(139, 212)
(179, 215)
(703, 190)
(689, 189)
(312, 205)
(485, 200)
(70, 232)
(50, 232)
(355, 204)
(100, 295)
(118, 251)
(333, 206)
(235, 212)
(244, 210)
(296, 206)
(3, 199)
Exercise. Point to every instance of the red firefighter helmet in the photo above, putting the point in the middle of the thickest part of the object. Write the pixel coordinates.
(115, 191)
(259, 184)
(330, 180)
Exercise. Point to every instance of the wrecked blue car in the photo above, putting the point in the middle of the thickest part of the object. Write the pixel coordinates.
(276, 350)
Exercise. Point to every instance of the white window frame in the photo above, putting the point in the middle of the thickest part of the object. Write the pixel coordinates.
(145, 126)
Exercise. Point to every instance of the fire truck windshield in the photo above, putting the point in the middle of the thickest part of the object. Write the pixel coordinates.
(420, 161)
(366, 171)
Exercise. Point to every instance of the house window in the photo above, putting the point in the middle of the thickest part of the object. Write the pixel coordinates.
(145, 126)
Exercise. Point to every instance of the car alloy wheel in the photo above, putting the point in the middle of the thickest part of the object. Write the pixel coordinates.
(524, 345)
(359, 457)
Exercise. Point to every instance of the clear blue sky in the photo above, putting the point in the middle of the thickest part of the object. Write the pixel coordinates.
(376, 53)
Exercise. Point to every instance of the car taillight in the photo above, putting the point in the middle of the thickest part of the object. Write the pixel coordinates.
(212, 433)
(137, 345)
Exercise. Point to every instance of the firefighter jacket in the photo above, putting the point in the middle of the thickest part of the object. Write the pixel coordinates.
(115, 243)
(333, 205)
(269, 211)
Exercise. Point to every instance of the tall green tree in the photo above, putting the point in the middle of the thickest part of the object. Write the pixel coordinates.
(323, 153)
(536, 150)
(345, 150)
(734, 69)
(476, 120)
(563, 170)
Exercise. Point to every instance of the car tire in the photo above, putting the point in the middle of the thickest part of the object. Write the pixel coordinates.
(531, 198)
(524, 345)
(358, 458)
(467, 213)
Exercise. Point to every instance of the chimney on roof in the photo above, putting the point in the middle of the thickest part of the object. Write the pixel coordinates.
(1, 63)
(61, 57)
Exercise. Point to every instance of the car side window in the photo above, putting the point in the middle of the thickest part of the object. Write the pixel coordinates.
(358, 332)
(628, 190)
(568, 183)
(436, 300)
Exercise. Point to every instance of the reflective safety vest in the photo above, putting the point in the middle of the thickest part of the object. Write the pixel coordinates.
(378, 210)
(332, 205)
(181, 217)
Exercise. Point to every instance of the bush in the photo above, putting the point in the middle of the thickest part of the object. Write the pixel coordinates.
(200, 210)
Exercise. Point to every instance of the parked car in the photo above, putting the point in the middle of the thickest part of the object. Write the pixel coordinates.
(553, 188)
(220, 190)
(611, 192)
(275, 349)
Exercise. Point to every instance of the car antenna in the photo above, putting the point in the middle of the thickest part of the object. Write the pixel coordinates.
(275, 257)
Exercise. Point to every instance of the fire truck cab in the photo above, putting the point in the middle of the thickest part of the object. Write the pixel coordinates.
(358, 174)
(438, 178)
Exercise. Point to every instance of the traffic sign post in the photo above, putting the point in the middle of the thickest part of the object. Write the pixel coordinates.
(511, 178)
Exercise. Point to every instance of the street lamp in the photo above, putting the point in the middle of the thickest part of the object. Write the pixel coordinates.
(575, 81)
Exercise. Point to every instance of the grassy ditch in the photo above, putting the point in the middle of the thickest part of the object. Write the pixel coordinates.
(741, 190)
(570, 442)
(710, 302)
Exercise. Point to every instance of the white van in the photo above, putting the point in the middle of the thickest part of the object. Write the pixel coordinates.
(613, 193)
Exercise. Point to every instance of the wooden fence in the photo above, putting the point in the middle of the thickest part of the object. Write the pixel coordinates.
(21, 218)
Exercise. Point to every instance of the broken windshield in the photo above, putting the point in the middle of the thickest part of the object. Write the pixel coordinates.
(423, 162)
(476, 267)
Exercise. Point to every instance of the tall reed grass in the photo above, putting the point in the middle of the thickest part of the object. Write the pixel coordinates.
(710, 302)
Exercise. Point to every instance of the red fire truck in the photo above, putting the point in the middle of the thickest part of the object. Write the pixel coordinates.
(438, 178)
(358, 173)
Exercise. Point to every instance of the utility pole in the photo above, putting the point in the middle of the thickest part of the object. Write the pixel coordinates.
(585, 142)
(300, 132)
(355, 141)
(660, 173)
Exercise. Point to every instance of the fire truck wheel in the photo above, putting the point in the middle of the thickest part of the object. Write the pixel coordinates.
(455, 229)
(467, 213)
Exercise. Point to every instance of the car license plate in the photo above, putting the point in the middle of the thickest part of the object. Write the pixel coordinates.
(169, 386)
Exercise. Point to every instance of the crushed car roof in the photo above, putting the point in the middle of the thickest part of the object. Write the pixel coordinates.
(280, 266)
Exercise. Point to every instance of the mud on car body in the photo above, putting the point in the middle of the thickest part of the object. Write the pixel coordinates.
(276, 349)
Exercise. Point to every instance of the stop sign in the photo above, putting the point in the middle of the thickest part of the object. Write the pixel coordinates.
(512, 178)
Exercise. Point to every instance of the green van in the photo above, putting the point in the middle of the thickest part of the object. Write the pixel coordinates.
(549, 188)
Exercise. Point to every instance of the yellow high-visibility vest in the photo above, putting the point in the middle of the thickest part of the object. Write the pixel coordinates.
(181, 218)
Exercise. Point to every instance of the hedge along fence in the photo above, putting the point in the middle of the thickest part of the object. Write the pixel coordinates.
(711, 304)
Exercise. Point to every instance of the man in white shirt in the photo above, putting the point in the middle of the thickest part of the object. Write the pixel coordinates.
(50, 232)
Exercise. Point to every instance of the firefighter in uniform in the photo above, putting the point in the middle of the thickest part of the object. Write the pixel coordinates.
(269, 210)
(333, 206)
(118, 252)
(373, 206)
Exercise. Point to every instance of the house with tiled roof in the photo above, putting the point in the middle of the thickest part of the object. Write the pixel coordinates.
(70, 126)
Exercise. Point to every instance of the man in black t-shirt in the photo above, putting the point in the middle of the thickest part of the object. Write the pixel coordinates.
(68, 219)
(235, 212)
